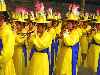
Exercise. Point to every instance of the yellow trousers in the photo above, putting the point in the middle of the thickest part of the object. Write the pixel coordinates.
(39, 64)
(19, 61)
(93, 57)
(64, 61)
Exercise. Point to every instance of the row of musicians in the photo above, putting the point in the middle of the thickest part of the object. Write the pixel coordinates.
(49, 49)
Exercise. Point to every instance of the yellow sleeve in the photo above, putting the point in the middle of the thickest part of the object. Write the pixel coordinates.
(58, 28)
(47, 40)
(79, 30)
(97, 37)
(19, 39)
(88, 28)
(35, 40)
(72, 38)
(52, 32)
(8, 46)
(44, 41)
(83, 30)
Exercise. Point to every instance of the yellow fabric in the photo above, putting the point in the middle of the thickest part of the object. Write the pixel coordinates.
(97, 37)
(6, 62)
(58, 28)
(18, 56)
(2, 6)
(44, 41)
(65, 54)
(93, 57)
(84, 44)
(64, 59)
(35, 67)
(72, 38)
(93, 54)
(79, 57)
(39, 64)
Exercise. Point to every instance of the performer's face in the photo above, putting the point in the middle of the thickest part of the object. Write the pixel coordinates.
(1, 20)
(98, 26)
(40, 28)
(18, 26)
(70, 25)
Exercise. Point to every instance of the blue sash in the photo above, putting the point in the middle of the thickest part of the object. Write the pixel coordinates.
(98, 69)
(25, 54)
(75, 49)
(33, 50)
(54, 51)
(1, 46)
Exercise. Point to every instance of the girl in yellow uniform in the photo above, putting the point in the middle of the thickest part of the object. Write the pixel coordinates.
(41, 53)
(66, 65)
(94, 50)
(19, 56)
(39, 63)
(7, 42)
(84, 41)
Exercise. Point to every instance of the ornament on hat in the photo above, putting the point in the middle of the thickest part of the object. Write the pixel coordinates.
(75, 9)
(50, 13)
(40, 13)
(3, 5)
(21, 14)
(73, 13)
(98, 11)
(32, 17)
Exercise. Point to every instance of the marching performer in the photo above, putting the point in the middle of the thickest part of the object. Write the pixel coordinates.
(39, 63)
(67, 57)
(56, 25)
(94, 50)
(20, 53)
(84, 39)
(7, 42)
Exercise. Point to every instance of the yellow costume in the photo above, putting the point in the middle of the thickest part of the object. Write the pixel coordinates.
(18, 57)
(65, 54)
(20, 46)
(84, 44)
(94, 52)
(8, 41)
(39, 64)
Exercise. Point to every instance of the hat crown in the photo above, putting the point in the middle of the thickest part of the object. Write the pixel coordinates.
(72, 16)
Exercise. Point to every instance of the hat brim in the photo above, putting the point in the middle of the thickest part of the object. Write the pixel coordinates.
(52, 19)
(43, 21)
(97, 22)
(19, 20)
(71, 20)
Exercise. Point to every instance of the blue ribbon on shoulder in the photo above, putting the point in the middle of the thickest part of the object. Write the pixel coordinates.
(1, 45)
(25, 54)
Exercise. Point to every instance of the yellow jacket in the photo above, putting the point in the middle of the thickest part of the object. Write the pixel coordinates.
(94, 51)
(73, 37)
(44, 41)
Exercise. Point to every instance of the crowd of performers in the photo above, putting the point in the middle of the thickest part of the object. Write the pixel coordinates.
(44, 43)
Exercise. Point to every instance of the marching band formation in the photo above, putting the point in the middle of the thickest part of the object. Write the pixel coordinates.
(44, 43)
